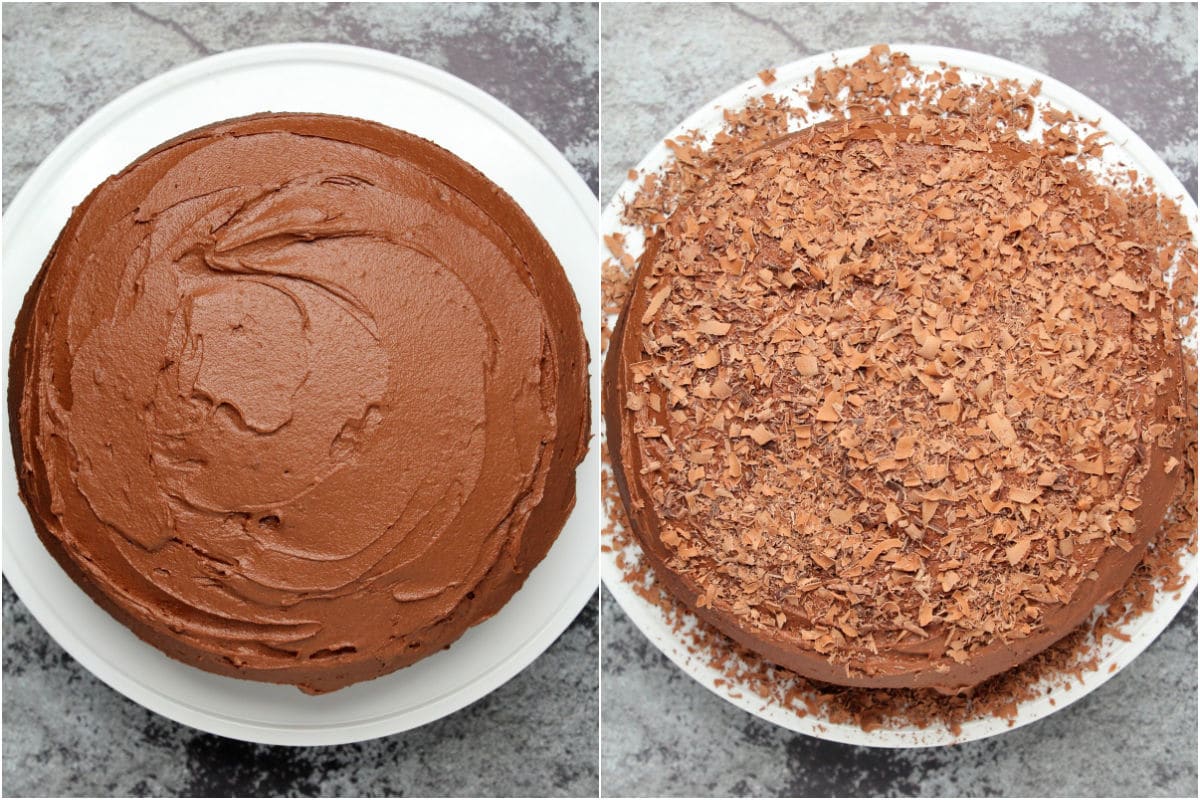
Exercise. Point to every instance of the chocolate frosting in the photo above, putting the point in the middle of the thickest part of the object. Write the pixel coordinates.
(913, 662)
(299, 398)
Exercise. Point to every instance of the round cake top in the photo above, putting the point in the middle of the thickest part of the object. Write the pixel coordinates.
(895, 403)
(299, 398)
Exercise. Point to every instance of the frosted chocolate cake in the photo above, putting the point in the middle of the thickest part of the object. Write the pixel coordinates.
(299, 398)
(896, 404)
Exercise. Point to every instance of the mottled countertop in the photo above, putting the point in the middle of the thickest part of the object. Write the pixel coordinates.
(664, 733)
(66, 733)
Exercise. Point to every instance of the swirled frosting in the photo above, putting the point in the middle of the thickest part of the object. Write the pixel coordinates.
(299, 398)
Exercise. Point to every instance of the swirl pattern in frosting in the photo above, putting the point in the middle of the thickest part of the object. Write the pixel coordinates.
(299, 398)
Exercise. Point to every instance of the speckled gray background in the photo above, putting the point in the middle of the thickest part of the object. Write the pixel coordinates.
(665, 734)
(65, 733)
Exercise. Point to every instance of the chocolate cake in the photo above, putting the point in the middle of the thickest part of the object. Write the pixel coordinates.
(895, 402)
(299, 398)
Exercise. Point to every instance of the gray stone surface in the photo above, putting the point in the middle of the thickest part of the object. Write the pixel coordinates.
(665, 734)
(65, 733)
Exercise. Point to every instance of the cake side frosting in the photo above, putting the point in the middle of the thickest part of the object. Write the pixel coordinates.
(894, 404)
(299, 398)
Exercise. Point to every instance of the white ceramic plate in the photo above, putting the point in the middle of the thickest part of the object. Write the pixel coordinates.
(425, 101)
(1128, 148)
